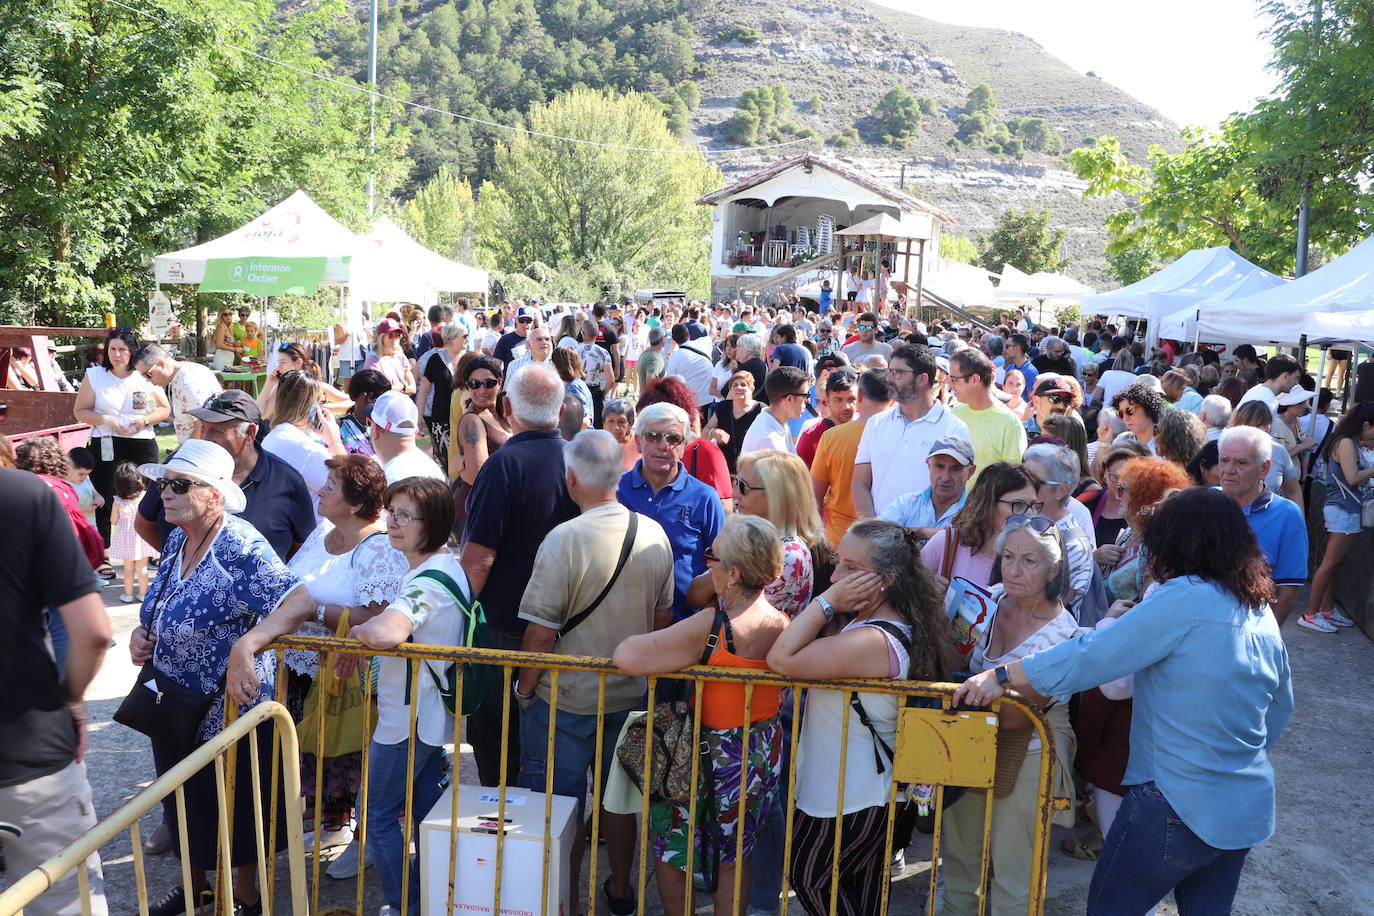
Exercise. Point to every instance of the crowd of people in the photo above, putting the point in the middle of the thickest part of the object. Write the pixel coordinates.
(826, 496)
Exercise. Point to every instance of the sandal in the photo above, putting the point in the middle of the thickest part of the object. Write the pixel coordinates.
(1076, 848)
(105, 571)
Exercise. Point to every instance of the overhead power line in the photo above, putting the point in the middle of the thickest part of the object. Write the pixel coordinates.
(364, 90)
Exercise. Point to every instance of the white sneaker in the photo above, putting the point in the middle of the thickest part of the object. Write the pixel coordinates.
(330, 838)
(1315, 623)
(898, 864)
(346, 865)
(1338, 617)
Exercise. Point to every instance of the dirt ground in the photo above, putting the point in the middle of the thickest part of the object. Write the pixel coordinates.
(1316, 863)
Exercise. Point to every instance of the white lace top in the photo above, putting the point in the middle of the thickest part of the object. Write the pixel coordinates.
(370, 572)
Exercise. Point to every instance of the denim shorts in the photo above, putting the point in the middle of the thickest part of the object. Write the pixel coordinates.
(1339, 521)
(574, 750)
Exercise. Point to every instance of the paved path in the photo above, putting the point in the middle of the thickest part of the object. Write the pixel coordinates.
(1317, 863)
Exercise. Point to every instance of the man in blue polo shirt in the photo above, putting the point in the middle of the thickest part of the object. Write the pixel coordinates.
(520, 495)
(1017, 356)
(1277, 522)
(660, 487)
(278, 502)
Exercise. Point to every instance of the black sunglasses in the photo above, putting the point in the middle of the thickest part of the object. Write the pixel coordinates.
(745, 486)
(475, 384)
(525, 319)
(1037, 523)
(178, 485)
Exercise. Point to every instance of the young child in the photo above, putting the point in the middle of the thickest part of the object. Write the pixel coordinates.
(252, 341)
(125, 544)
(80, 463)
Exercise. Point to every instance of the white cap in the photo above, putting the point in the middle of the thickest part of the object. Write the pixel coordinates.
(396, 413)
(1296, 395)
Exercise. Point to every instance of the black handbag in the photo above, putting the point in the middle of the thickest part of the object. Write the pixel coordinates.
(161, 708)
(164, 710)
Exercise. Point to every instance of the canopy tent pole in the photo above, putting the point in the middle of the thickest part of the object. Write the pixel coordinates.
(920, 269)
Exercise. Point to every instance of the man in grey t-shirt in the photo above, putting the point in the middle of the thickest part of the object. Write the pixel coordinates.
(868, 343)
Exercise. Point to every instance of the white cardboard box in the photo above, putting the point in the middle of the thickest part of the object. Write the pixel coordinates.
(522, 862)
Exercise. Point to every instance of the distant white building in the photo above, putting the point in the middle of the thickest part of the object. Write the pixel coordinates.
(767, 224)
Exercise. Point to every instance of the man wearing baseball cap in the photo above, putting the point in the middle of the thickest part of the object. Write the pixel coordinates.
(279, 503)
(393, 426)
(1054, 397)
(512, 344)
(951, 468)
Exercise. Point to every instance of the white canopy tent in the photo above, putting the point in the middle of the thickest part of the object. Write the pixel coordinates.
(1182, 324)
(1333, 328)
(1277, 316)
(399, 269)
(1197, 275)
(1041, 285)
(292, 248)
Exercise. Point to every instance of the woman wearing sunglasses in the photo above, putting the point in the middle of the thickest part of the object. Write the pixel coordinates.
(1140, 405)
(477, 426)
(967, 548)
(226, 346)
(1030, 577)
(1200, 786)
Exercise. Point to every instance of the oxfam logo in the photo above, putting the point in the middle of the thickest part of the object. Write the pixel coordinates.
(237, 272)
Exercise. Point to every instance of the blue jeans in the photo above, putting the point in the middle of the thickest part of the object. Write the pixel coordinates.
(1150, 851)
(57, 632)
(574, 750)
(386, 805)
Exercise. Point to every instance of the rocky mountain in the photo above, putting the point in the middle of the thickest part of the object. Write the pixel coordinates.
(849, 53)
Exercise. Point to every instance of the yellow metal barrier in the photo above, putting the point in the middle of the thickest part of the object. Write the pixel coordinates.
(218, 752)
(934, 746)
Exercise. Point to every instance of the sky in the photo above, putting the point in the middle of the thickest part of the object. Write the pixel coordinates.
(1195, 60)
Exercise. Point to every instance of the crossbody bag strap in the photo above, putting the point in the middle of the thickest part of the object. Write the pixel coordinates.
(947, 558)
(630, 530)
(444, 581)
(880, 746)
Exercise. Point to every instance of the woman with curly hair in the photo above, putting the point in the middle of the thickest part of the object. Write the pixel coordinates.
(1140, 406)
(1179, 436)
(1199, 781)
(883, 618)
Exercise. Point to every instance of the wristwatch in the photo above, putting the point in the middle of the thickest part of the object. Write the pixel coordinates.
(319, 614)
(1003, 678)
(524, 697)
(827, 608)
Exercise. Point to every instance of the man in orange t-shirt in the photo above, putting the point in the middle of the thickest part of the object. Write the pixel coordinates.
(832, 471)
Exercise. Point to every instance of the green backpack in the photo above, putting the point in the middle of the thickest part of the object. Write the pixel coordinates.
(477, 678)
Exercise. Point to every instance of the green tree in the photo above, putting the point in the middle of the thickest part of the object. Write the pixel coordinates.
(1205, 195)
(1026, 240)
(981, 100)
(575, 205)
(143, 133)
(1132, 264)
(814, 104)
(899, 114)
(440, 215)
(762, 116)
(958, 248)
(1036, 134)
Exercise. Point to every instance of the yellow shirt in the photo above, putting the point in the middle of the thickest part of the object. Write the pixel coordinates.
(834, 465)
(996, 432)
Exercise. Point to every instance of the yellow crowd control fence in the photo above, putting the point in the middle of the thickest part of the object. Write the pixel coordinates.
(219, 753)
(935, 745)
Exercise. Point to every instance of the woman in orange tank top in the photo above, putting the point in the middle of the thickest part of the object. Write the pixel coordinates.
(746, 556)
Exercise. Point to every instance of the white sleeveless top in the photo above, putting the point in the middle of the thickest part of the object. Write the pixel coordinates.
(818, 763)
(115, 397)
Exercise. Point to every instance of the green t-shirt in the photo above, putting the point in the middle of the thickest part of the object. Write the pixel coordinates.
(996, 434)
(651, 365)
(239, 331)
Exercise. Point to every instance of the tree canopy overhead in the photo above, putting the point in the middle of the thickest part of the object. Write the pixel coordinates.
(575, 205)
(134, 134)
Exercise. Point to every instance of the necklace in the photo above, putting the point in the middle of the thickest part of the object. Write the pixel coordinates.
(195, 553)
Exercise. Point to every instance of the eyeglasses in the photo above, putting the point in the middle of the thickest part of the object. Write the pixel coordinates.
(895, 372)
(799, 394)
(1122, 488)
(654, 437)
(178, 485)
(525, 319)
(226, 314)
(1057, 398)
(1037, 523)
(745, 486)
(1023, 506)
(962, 378)
(710, 556)
(402, 518)
(477, 383)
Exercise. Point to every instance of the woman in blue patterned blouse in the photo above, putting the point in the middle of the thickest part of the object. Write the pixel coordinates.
(218, 577)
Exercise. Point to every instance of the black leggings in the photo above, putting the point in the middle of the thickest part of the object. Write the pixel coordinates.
(139, 451)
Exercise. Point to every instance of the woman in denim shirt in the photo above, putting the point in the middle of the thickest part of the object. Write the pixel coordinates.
(1201, 788)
